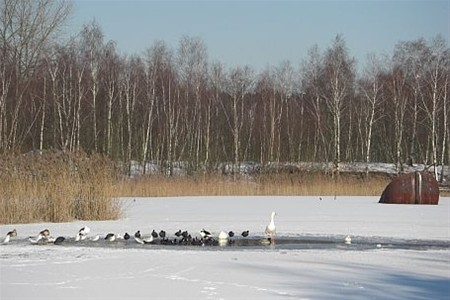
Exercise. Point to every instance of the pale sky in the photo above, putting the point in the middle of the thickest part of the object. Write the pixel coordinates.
(261, 33)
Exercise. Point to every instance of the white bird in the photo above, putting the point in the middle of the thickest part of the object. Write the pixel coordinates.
(148, 240)
(139, 240)
(270, 229)
(95, 238)
(37, 239)
(9, 235)
(223, 235)
(348, 240)
(83, 232)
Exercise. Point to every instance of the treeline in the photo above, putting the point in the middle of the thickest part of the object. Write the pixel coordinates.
(175, 105)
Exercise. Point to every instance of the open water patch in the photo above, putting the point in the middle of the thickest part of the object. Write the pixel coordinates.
(257, 242)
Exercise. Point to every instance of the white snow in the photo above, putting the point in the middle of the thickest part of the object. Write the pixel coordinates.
(267, 272)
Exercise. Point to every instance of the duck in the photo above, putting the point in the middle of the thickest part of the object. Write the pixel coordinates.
(45, 232)
(223, 235)
(178, 233)
(348, 240)
(162, 234)
(230, 234)
(148, 240)
(111, 237)
(245, 233)
(270, 228)
(95, 238)
(84, 230)
(37, 239)
(137, 234)
(126, 236)
(9, 235)
(205, 234)
(59, 240)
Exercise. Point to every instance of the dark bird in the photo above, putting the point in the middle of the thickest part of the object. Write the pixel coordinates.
(245, 233)
(162, 234)
(10, 234)
(231, 234)
(185, 234)
(178, 233)
(45, 232)
(126, 236)
(110, 237)
(137, 234)
(59, 240)
(205, 234)
(154, 234)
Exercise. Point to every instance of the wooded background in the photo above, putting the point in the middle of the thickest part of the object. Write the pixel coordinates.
(175, 105)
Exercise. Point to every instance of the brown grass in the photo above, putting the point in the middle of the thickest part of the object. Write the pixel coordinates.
(273, 184)
(56, 187)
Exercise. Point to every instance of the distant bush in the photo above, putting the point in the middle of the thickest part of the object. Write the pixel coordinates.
(56, 187)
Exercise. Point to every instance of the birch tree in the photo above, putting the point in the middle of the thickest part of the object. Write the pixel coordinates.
(339, 72)
(371, 87)
(27, 28)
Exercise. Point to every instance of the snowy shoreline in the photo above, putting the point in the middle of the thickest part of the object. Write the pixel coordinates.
(59, 272)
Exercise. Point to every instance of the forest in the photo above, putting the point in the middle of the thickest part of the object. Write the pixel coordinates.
(173, 104)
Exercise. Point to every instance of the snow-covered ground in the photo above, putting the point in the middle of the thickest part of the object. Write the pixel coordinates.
(132, 271)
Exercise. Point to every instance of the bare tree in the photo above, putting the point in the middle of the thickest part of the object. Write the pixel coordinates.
(371, 87)
(27, 28)
(313, 74)
(192, 60)
(339, 72)
(239, 86)
(92, 45)
(217, 82)
(111, 68)
(436, 76)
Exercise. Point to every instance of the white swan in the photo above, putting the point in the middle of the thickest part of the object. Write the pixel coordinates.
(271, 229)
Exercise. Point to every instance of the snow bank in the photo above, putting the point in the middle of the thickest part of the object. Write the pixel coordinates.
(62, 272)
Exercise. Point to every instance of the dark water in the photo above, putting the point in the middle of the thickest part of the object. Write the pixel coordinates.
(281, 243)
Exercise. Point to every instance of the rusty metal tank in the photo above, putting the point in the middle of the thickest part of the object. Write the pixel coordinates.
(412, 188)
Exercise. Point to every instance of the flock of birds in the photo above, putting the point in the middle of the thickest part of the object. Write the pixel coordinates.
(161, 237)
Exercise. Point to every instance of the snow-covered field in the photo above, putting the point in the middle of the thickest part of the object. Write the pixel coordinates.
(338, 271)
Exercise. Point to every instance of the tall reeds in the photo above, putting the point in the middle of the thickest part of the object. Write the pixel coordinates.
(56, 187)
(307, 184)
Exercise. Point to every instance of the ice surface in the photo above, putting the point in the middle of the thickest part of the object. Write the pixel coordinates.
(156, 272)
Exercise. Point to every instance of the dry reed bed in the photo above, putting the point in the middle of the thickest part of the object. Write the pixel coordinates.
(267, 184)
(56, 187)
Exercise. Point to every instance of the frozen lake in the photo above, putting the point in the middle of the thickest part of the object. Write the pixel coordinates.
(397, 252)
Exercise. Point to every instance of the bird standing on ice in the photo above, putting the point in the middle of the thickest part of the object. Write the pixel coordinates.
(9, 235)
(270, 229)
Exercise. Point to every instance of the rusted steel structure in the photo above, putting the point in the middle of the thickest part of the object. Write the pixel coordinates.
(412, 188)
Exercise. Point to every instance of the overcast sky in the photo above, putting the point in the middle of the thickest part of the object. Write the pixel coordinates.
(261, 33)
